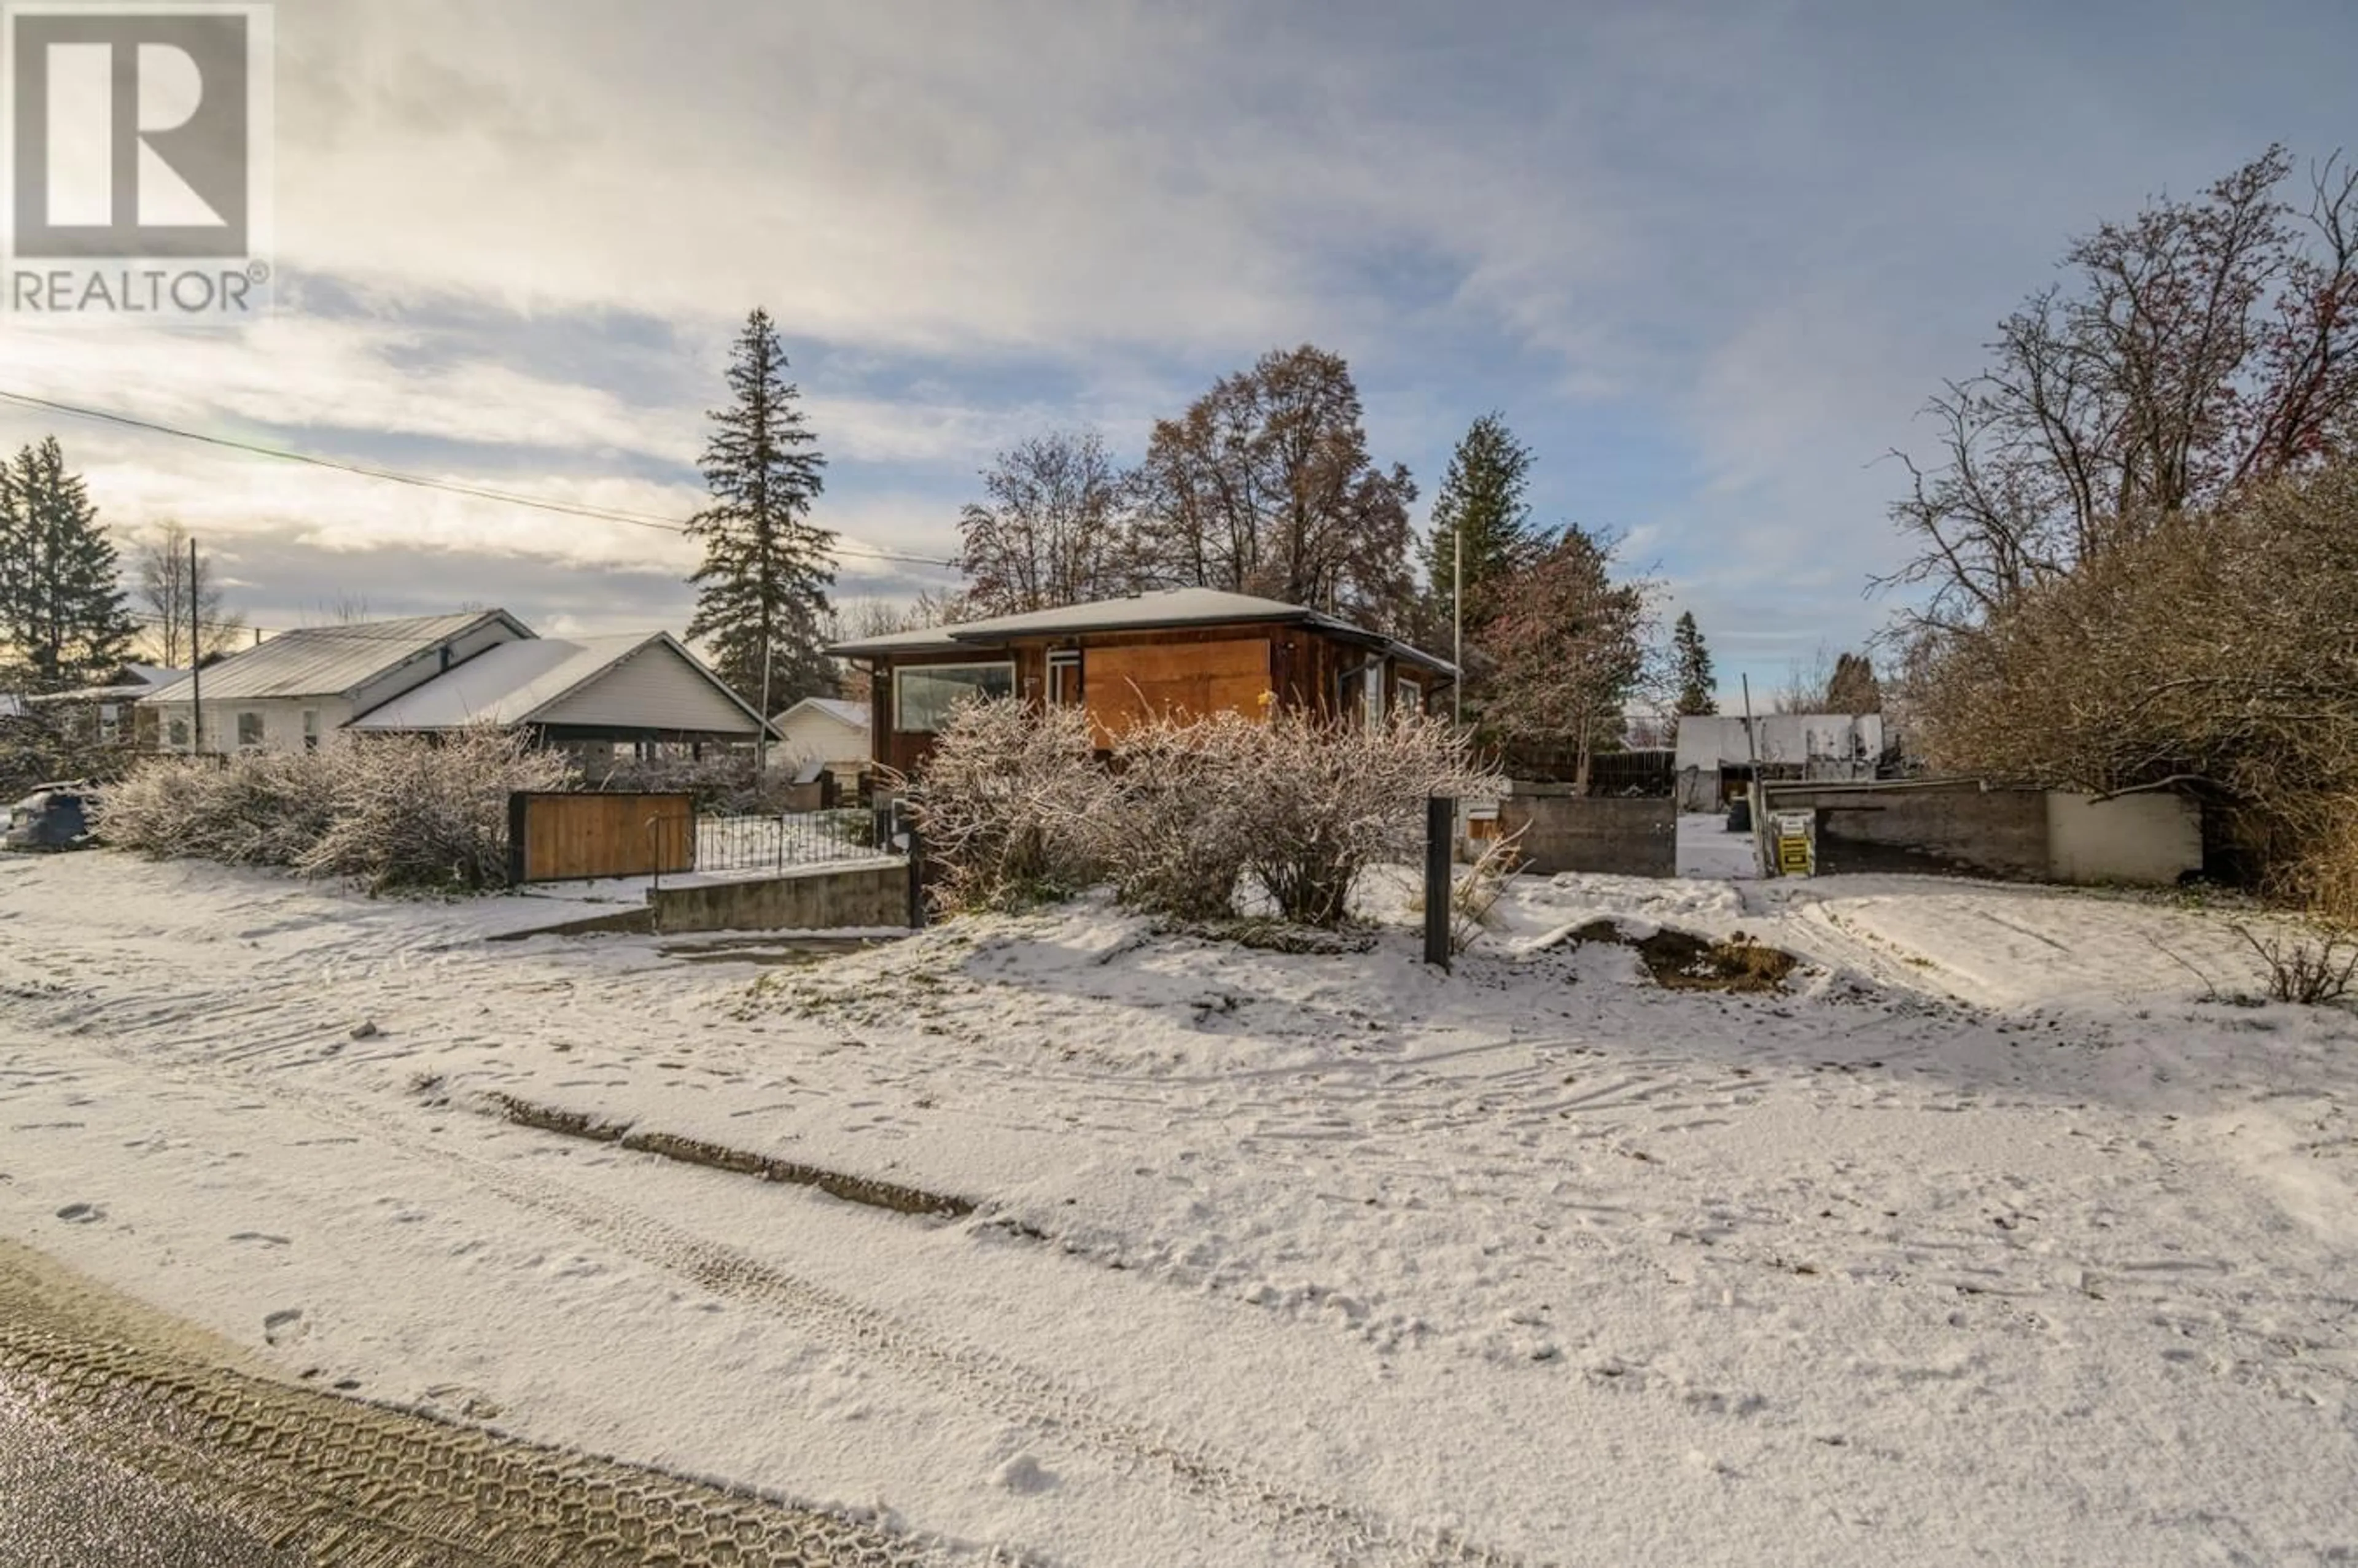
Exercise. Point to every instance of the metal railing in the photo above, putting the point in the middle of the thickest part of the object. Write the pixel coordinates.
(785, 842)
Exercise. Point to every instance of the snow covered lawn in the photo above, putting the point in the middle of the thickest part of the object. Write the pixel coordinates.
(1990, 1240)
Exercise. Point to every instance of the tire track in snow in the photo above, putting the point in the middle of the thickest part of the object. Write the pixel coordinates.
(1324, 1529)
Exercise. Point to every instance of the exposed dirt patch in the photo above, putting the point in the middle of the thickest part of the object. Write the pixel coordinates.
(1682, 961)
(1277, 936)
(719, 1157)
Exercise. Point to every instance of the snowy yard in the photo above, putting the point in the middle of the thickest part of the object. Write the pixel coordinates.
(1989, 1239)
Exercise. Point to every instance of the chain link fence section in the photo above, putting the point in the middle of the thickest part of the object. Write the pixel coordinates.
(362, 1486)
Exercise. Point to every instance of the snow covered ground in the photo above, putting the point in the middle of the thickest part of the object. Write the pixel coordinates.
(1990, 1240)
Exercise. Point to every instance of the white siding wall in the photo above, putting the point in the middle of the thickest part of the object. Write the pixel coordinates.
(816, 736)
(282, 722)
(654, 689)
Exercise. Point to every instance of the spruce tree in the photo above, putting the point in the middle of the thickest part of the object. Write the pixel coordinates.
(761, 603)
(1691, 668)
(62, 617)
(1481, 498)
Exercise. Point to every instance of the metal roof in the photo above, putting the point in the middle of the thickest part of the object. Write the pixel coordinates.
(514, 683)
(1138, 613)
(330, 661)
(852, 713)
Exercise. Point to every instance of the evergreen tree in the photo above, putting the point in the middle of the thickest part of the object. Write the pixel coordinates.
(760, 601)
(1481, 498)
(1691, 668)
(62, 617)
(1853, 687)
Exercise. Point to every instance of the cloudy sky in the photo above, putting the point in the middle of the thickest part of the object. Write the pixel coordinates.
(1708, 261)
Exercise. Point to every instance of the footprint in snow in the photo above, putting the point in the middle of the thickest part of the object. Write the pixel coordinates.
(262, 1240)
(1024, 1475)
(81, 1214)
(285, 1326)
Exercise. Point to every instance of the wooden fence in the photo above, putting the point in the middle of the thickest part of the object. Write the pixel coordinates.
(575, 836)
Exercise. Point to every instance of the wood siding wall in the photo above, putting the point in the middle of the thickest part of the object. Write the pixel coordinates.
(1188, 670)
(556, 837)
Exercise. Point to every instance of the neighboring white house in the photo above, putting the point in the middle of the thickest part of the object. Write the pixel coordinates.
(112, 705)
(586, 694)
(827, 730)
(1715, 751)
(311, 687)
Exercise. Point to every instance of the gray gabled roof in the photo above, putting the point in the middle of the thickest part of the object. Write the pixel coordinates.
(517, 683)
(1173, 608)
(330, 661)
(852, 713)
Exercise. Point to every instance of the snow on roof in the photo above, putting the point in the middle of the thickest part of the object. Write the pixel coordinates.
(505, 684)
(1138, 612)
(329, 661)
(852, 713)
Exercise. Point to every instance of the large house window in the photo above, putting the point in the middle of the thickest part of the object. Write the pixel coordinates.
(248, 731)
(923, 694)
(177, 732)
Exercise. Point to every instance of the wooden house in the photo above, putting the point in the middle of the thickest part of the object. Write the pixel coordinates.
(1185, 652)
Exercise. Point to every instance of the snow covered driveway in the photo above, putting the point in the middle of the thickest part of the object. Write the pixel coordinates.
(1990, 1243)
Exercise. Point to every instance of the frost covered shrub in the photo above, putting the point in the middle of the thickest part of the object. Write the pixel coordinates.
(1300, 804)
(407, 812)
(400, 812)
(265, 809)
(1180, 833)
(1007, 801)
(1330, 799)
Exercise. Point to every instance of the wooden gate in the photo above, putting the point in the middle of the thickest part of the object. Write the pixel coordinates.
(576, 836)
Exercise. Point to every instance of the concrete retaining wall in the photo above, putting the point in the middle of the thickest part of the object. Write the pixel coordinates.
(2043, 834)
(1615, 835)
(2149, 840)
(823, 898)
(2002, 832)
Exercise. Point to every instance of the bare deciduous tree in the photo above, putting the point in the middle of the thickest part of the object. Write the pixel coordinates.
(1051, 532)
(1265, 486)
(166, 589)
(2204, 346)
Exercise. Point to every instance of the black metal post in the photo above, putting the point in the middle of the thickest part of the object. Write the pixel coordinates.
(1440, 830)
(519, 804)
(916, 877)
(195, 666)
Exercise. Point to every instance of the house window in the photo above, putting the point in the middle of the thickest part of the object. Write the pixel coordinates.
(178, 731)
(248, 731)
(310, 729)
(1065, 678)
(1371, 699)
(1412, 694)
(923, 694)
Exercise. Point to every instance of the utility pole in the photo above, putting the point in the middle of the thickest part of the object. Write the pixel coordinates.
(196, 664)
(1457, 623)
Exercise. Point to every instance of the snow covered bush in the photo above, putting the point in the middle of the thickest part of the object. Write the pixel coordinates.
(394, 813)
(407, 812)
(265, 809)
(1299, 804)
(1179, 835)
(1007, 802)
(1326, 800)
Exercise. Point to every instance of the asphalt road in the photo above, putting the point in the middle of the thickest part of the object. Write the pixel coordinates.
(128, 1441)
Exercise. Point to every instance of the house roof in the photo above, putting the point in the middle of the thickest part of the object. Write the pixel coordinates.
(517, 683)
(132, 682)
(1138, 613)
(852, 713)
(330, 661)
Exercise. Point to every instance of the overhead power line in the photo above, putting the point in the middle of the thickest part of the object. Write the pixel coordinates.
(420, 481)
